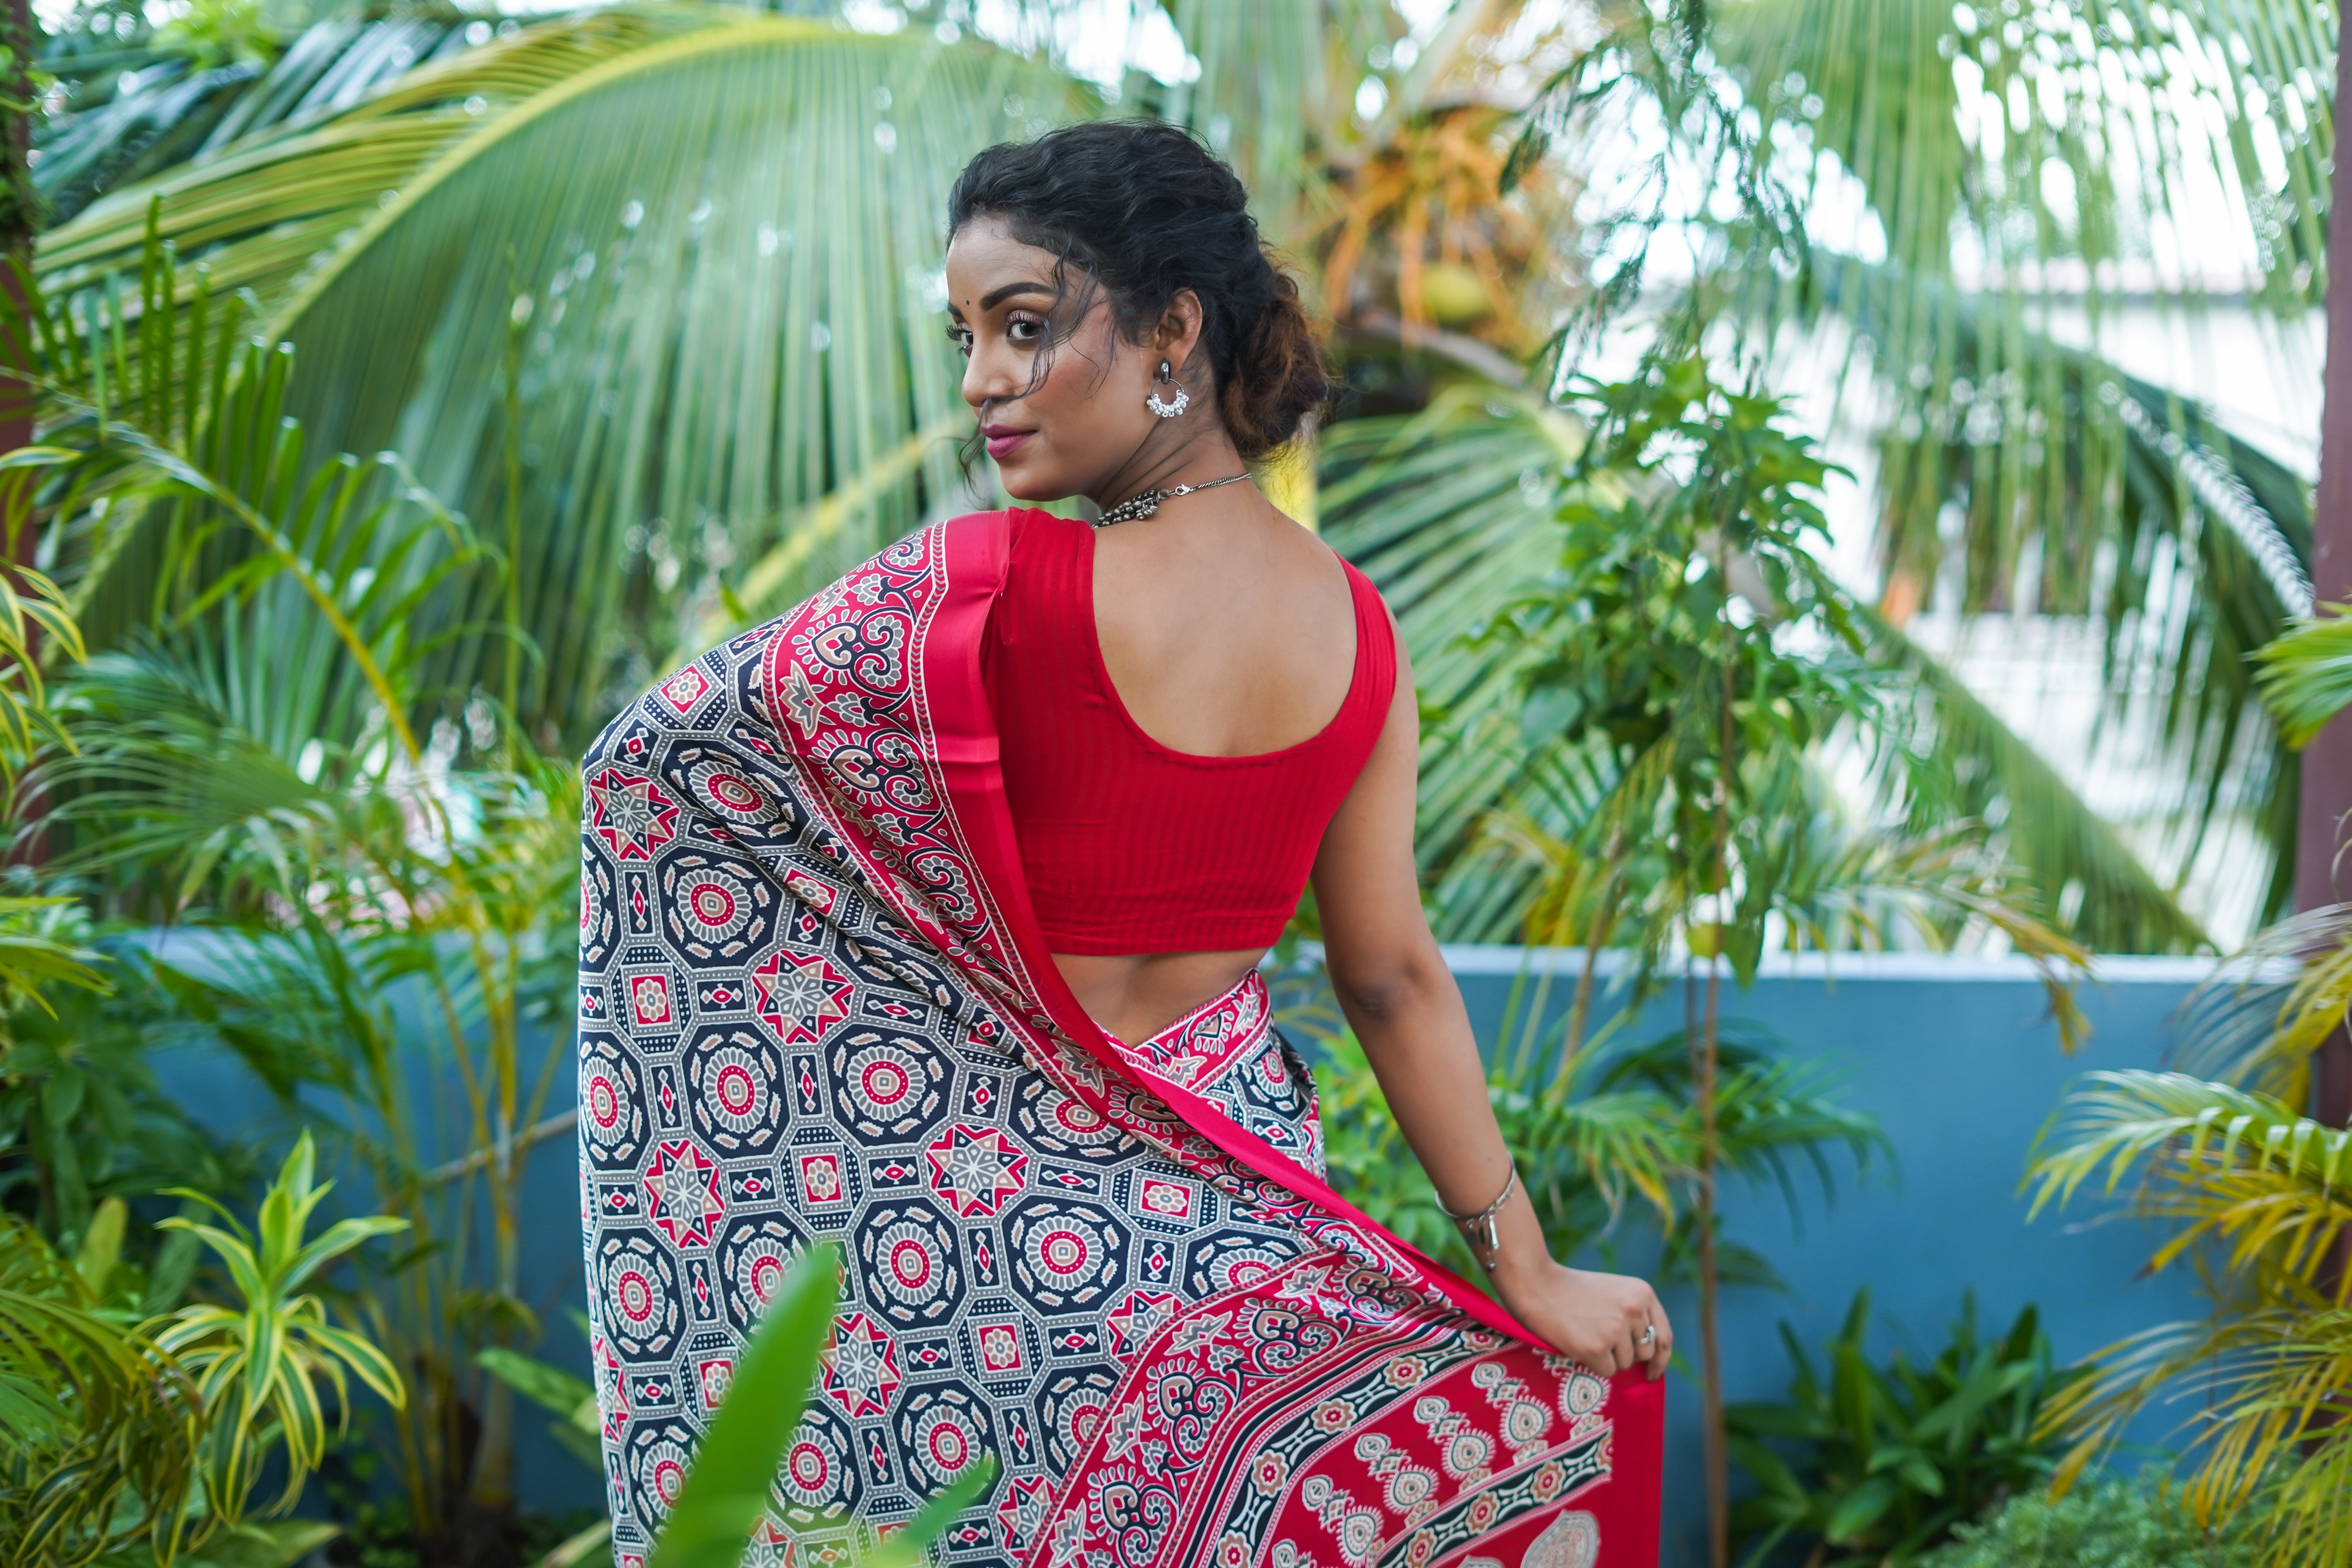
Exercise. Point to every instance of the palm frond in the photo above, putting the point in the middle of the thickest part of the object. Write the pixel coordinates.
(695, 255)
(1449, 512)
(1961, 762)
(2307, 673)
(2186, 543)
(2024, 141)
(99, 1427)
(2266, 1192)
(1987, 169)
(2234, 1166)
(176, 459)
(2253, 1027)
(137, 98)
(1278, 78)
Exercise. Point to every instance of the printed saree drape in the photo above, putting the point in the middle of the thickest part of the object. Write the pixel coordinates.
(814, 1004)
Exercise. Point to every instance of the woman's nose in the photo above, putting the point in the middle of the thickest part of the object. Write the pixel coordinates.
(987, 378)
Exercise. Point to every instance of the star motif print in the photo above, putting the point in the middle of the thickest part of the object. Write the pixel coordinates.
(975, 1169)
(798, 998)
(630, 814)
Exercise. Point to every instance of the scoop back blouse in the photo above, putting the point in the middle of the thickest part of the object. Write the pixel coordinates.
(1128, 846)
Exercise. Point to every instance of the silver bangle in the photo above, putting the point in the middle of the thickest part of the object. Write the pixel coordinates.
(1478, 1226)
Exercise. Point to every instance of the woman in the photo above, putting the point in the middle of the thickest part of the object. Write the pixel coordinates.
(925, 918)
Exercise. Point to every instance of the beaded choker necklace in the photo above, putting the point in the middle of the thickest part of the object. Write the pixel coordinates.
(1148, 504)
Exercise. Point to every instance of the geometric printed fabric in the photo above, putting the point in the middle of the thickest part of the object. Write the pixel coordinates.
(813, 1005)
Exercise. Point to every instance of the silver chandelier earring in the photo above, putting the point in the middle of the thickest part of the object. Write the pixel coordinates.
(1166, 410)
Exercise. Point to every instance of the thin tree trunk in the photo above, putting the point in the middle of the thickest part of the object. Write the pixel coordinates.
(16, 210)
(2327, 760)
(19, 215)
(1709, 1051)
(1710, 1340)
(2327, 775)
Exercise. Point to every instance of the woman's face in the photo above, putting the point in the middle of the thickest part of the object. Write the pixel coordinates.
(1073, 431)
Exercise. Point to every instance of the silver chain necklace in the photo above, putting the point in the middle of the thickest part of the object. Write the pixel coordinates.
(1148, 504)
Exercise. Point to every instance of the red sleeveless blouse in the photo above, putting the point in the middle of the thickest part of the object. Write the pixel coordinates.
(1130, 847)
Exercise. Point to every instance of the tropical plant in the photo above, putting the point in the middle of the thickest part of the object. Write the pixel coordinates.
(99, 1428)
(129, 95)
(2110, 1524)
(530, 365)
(1988, 165)
(616, 500)
(353, 871)
(2260, 1195)
(1878, 1465)
(577, 1430)
(126, 1441)
(1613, 1129)
(83, 1116)
(1673, 677)
(343, 946)
(259, 1364)
(2307, 673)
(684, 381)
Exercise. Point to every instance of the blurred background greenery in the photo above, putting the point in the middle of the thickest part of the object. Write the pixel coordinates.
(392, 391)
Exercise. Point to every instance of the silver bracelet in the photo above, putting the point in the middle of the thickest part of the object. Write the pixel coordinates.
(1481, 1225)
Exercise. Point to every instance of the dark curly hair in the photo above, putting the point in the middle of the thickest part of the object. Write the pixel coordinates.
(1141, 210)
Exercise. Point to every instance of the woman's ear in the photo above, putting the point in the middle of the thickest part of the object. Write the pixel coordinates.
(1178, 332)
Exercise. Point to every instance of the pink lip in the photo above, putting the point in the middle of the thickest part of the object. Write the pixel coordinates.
(1004, 440)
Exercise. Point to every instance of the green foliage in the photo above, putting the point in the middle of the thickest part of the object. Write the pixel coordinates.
(124, 1442)
(99, 1426)
(83, 1117)
(2258, 1197)
(607, 182)
(164, 443)
(1877, 1464)
(1614, 1126)
(1984, 160)
(576, 1428)
(2307, 673)
(373, 900)
(1690, 649)
(259, 1363)
(2114, 1524)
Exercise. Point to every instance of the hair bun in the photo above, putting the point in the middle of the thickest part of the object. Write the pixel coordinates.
(1280, 378)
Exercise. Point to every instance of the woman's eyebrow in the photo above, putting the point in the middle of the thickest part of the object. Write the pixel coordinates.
(995, 297)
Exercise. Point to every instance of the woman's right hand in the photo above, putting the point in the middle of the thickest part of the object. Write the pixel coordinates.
(1597, 1319)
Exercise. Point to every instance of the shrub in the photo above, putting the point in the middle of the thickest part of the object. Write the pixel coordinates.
(1878, 1464)
(2114, 1524)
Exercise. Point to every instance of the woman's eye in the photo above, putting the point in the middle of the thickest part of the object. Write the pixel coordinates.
(961, 338)
(1025, 332)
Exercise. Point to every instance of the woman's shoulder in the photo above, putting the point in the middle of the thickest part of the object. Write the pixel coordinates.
(1015, 528)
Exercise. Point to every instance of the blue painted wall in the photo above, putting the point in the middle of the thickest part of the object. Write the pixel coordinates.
(1961, 1063)
(1956, 1057)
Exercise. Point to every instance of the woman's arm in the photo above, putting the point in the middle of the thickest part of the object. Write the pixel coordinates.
(1406, 1010)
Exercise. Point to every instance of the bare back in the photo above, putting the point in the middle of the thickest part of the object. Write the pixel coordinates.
(1228, 631)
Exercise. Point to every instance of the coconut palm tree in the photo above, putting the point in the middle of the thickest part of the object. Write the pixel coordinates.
(1994, 166)
(679, 366)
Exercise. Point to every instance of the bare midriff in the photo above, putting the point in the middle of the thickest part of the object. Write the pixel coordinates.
(1135, 995)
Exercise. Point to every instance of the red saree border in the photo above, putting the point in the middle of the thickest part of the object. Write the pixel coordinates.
(975, 551)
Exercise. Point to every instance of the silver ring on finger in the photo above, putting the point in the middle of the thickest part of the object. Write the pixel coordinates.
(1650, 1334)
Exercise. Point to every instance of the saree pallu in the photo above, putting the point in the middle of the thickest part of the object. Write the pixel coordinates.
(814, 1004)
